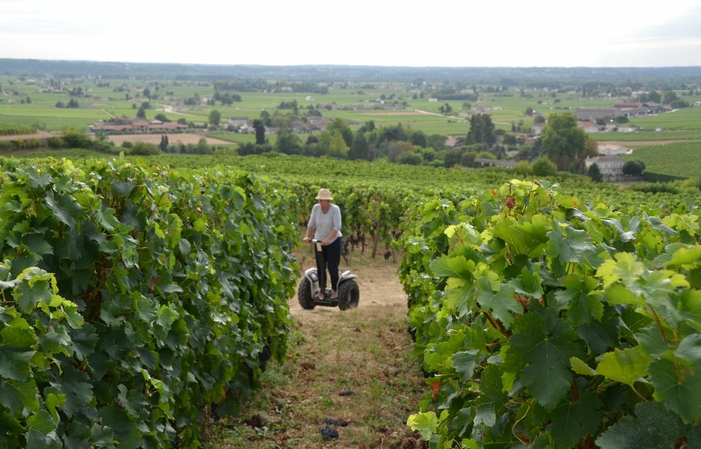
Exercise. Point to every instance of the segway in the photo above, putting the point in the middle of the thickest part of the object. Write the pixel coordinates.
(310, 287)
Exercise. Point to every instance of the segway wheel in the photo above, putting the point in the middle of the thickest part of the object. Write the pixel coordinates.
(348, 295)
(304, 294)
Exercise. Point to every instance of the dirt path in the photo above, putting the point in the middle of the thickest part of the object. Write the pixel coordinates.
(354, 367)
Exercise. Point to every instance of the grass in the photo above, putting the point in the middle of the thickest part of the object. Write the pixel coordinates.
(365, 350)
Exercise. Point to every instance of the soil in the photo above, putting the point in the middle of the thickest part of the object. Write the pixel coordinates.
(353, 366)
(185, 138)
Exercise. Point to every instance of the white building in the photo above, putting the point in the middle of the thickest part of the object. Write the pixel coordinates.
(611, 167)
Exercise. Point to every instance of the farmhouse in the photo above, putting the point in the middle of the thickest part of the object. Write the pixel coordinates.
(626, 109)
(611, 167)
(537, 128)
(236, 121)
(494, 163)
(589, 127)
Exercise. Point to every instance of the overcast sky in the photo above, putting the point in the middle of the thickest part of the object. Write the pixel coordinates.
(454, 33)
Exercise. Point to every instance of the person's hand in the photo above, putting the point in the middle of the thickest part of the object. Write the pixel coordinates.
(305, 239)
(324, 243)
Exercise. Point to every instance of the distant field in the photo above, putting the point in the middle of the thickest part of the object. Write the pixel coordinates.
(185, 138)
(648, 136)
(677, 159)
(682, 119)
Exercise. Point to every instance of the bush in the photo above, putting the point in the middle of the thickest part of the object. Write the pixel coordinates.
(144, 149)
(409, 158)
(543, 167)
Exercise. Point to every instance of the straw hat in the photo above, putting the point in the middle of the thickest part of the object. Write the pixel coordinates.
(324, 194)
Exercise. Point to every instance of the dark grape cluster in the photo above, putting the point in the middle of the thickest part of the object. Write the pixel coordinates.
(328, 432)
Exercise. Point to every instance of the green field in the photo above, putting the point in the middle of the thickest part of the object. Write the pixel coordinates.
(676, 159)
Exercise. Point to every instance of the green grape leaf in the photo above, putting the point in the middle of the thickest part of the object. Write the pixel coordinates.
(425, 423)
(133, 402)
(106, 219)
(32, 292)
(16, 395)
(581, 299)
(464, 364)
(689, 306)
(616, 294)
(18, 335)
(571, 421)
(529, 283)
(528, 238)
(625, 366)
(502, 304)
(76, 386)
(492, 388)
(544, 346)
(101, 436)
(37, 245)
(580, 367)
(653, 428)
(625, 268)
(678, 390)
(689, 349)
(572, 245)
(459, 295)
(651, 341)
(687, 257)
(485, 414)
(125, 430)
(601, 335)
(14, 364)
(447, 266)
(63, 207)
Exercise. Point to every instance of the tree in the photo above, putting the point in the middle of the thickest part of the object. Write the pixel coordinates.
(141, 113)
(543, 167)
(436, 141)
(481, 130)
(162, 118)
(669, 97)
(75, 139)
(529, 111)
(594, 173)
(654, 97)
(29, 100)
(259, 128)
(633, 168)
(288, 143)
(214, 117)
(563, 140)
(340, 125)
(338, 147)
(452, 158)
(418, 138)
(360, 148)
(397, 148)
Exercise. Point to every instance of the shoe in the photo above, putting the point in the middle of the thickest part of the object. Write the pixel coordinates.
(334, 295)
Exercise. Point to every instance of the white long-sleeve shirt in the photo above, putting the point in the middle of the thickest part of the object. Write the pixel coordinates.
(325, 223)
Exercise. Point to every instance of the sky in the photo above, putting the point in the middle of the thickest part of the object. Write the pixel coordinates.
(438, 33)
